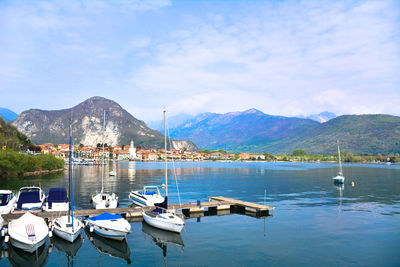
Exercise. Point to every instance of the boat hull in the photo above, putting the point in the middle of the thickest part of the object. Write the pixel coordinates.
(145, 200)
(163, 223)
(108, 233)
(109, 226)
(61, 229)
(28, 247)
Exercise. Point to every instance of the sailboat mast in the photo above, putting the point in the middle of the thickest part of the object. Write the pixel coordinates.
(340, 160)
(165, 153)
(102, 158)
(70, 167)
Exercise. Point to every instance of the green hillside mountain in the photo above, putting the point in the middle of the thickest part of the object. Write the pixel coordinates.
(11, 137)
(358, 134)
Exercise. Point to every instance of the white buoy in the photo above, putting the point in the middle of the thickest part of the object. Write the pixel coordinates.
(352, 183)
(3, 232)
(50, 233)
(7, 238)
(50, 249)
(91, 229)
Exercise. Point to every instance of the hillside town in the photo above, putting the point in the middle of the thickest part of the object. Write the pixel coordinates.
(131, 152)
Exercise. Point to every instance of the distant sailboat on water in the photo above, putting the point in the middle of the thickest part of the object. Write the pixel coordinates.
(339, 178)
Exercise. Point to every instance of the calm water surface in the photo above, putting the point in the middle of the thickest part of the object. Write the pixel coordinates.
(315, 223)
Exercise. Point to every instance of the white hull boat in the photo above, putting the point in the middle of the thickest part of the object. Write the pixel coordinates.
(109, 225)
(29, 199)
(7, 201)
(57, 200)
(28, 233)
(113, 173)
(105, 201)
(161, 217)
(166, 221)
(339, 179)
(62, 227)
(149, 196)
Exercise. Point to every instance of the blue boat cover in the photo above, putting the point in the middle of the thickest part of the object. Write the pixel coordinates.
(28, 197)
(106, 216)
(57, 194)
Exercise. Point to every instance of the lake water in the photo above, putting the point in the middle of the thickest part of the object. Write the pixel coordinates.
(315, 223)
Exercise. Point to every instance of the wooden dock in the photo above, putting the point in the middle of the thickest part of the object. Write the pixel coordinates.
(215, 203)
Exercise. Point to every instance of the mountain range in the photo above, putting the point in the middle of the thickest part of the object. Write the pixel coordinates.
(254, 131)
(121, 127)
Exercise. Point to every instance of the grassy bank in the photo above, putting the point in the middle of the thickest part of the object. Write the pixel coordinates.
(16, 164)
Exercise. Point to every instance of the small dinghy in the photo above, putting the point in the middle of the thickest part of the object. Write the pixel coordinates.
(109, 225)
(7, 201)
(28, 232)
(57, 200)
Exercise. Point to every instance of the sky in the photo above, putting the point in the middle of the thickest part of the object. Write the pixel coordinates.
(282, 57)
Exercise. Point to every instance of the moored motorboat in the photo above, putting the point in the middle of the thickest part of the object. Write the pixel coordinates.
(29, 198)
(149, 196)
(28, 232)
(108, 225)
(57, 200)
(7, 201)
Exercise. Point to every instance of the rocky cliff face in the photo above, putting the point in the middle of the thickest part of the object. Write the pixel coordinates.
(52, 126)
(184, 145)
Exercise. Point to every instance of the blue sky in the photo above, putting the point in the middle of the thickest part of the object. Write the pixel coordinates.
(282, 57)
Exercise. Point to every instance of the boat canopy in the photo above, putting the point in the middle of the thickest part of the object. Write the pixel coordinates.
(28, 197)
(57, 194)
(4, 199)
(106, 216)
(27, 218)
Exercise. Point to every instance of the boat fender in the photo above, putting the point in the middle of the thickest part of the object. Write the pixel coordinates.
(50, 233)
(3, 232)
(50, 225)
(91, 229)
(50, 249)
(7, 238)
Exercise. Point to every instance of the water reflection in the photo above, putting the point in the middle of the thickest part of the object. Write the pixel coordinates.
(70, 249)
(161, 238)
(19, 257)
(113, 248)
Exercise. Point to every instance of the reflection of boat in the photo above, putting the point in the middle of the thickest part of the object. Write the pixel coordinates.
(108, 225)
(28, 232)
(162, 237)
(114, 248)
(161, 217)
(113, 173)
(339, 178)
(57, 200)
(104, 200)
(29, 198)
(7, 201)
(149, 196)
(70, 249)
(18, 257)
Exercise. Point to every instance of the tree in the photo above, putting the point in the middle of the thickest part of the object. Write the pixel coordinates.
(299, 153)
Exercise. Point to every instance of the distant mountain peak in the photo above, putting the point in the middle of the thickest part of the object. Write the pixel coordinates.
(253, 111)
(321, 117)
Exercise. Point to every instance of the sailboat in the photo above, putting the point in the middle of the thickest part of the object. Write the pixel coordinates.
(103, 200)
(339, 178)
(68, 227)
(161, 217)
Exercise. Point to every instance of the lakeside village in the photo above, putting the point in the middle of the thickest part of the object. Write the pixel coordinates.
(93, 155)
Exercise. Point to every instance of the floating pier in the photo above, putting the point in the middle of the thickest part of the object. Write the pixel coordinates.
(218, 203)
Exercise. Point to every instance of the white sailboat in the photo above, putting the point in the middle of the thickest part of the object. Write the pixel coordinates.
(103, 200)
(28, 232)
(68, 227)
(339, 178)
(161, 217)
